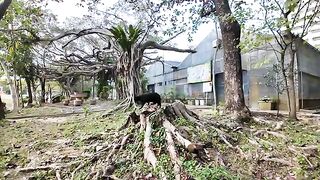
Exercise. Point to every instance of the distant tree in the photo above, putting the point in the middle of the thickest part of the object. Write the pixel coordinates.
(287, 22)
(17, 29)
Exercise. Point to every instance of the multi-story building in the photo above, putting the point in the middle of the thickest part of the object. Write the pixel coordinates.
(200, 75)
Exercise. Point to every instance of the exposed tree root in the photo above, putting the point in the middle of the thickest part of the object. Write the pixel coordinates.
(276, 134)
(150, 135)
(122, 105)
(58, 176)
(148, 152)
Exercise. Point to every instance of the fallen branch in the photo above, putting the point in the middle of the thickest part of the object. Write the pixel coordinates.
(311, 166)
(92, 173)
(77, 169)
(46, 168)
(277, 160)
(276, 134)
(262, 121)
(39, 168)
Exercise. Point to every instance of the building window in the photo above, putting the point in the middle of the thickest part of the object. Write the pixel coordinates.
(159, 84)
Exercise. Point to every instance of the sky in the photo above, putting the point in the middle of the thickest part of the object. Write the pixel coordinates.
(68, 8)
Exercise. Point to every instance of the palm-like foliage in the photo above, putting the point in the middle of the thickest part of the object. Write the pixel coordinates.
(126, 37)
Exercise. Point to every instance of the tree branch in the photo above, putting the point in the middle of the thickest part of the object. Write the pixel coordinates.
(169, 39)
(3, 7)
(154, 45)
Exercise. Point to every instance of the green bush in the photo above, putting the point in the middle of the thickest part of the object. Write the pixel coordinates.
(104, 94)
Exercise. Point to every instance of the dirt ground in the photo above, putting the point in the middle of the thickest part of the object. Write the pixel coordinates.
(270, 148)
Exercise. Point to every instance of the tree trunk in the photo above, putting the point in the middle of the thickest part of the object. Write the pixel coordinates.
(12, 86)
(29, 88)
(283, 70)
(43, 90)
(230, 29)
(93, 86)
(20, 92)
(291, 85)
(2, 109)
(49, 94)
(34, 91)
(3, 7)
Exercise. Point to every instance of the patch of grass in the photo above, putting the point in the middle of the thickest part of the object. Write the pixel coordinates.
(206, 172)
(10, 158)
(158, 137)
(184, 122)
(300, 136)
(36, 111)
(31, 135)
(43, 175)
(82, 173)
(92, 124)
(164, 165)
(4, 123)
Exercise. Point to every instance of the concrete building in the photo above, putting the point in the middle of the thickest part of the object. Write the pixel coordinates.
(200, 75)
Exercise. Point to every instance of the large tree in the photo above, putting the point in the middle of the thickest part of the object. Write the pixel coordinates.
(231, 32)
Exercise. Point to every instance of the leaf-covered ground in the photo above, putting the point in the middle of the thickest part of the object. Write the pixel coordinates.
(268, 147)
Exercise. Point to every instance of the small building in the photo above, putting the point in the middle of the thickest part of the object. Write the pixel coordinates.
(200, 75)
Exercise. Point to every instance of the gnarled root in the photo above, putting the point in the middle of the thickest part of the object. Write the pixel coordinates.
(137, 140)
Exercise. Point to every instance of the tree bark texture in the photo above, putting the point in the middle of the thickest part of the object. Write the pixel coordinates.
(3, 7)
(29, 88)
(230, 29)
(291, 85)
(43, 90)
(128, 75)
(34, 91)
(12, 86)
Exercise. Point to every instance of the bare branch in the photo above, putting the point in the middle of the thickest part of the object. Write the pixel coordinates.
(169, 39)
(269, 26)
(154, 45)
